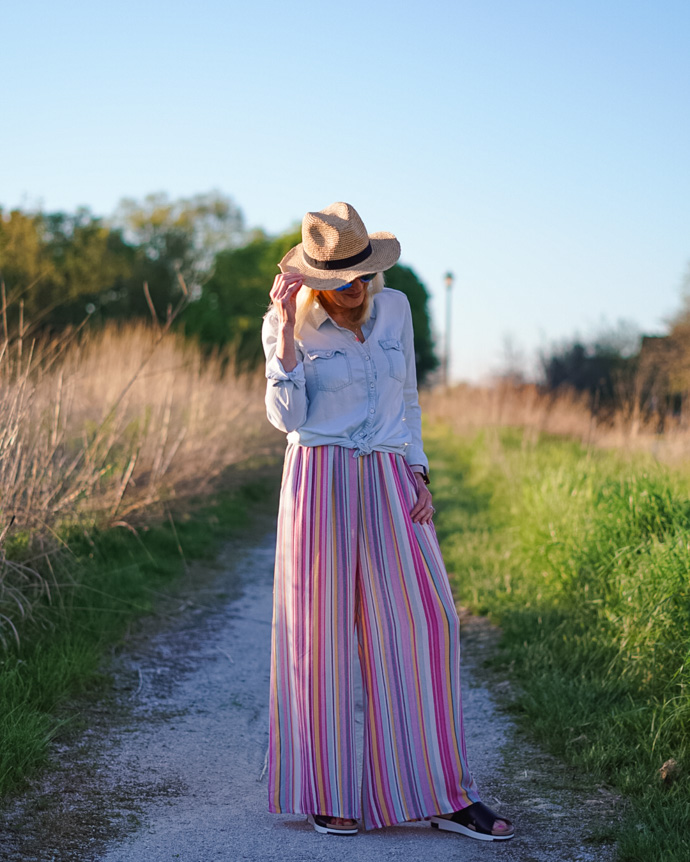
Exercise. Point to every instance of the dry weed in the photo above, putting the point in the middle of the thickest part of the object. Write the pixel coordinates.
(102, 424)
(468, 408)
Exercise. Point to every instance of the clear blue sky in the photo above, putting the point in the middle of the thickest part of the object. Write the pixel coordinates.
(539, 150)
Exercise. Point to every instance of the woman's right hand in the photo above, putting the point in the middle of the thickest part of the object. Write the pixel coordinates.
(284, 296)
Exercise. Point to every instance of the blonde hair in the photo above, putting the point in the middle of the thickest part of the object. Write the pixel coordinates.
(307, 297)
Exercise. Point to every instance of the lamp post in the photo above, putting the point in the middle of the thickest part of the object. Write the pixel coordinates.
(449, 278)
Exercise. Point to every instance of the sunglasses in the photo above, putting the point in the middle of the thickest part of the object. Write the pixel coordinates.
(365, 278)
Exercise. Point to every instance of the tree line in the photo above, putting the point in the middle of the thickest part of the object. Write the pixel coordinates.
(59, 268)
(623, 371)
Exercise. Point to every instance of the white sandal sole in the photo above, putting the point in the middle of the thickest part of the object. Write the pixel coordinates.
(451, 826)
(330, 830)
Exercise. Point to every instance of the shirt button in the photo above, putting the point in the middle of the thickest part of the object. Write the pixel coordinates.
(371, 386)
(371, 410)
(367, 358)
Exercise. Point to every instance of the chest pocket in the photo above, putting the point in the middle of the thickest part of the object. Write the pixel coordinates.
(331, 369)
(396, 358)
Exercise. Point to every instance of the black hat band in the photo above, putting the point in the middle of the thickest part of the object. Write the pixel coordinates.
(343, 263)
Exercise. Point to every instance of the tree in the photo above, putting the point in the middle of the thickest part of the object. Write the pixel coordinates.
(604, 366)
(403, 278)
(90, 261)
(679, 338)
(24, 260)
(54, 263)
(665, 365)
(180, 236)
(235, 298)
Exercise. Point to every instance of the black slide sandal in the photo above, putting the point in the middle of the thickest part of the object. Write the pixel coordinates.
(475, 821)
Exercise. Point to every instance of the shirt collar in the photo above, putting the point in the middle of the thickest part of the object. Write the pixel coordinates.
(318, 315)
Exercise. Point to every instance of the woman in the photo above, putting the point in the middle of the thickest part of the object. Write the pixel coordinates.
(357, 551)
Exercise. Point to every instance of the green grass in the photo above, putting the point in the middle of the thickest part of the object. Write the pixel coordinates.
(583, 558)
(109, 578)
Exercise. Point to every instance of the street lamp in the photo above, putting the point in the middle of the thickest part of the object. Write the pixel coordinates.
(448, 279)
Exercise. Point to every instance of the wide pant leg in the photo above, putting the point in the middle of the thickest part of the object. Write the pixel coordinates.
(415, 761)
(349, 556)
(312, 765)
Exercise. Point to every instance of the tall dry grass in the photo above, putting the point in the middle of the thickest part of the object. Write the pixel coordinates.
(103, 424)
(568, 413)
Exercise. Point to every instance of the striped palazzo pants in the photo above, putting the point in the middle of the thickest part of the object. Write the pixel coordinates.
(349, 559)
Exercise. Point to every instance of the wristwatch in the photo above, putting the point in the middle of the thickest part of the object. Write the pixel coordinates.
(420, 468)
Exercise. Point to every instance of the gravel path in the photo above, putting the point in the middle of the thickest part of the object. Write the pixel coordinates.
(176, 767)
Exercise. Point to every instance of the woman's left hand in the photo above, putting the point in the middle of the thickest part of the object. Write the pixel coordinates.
(423, 511)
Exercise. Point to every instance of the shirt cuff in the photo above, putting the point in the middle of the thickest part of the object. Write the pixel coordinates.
(275, 371)
(414, 455)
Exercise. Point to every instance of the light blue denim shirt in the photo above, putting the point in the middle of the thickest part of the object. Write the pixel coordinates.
(362, 396)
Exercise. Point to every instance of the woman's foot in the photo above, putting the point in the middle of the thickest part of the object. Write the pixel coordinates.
(342, 822)
(475, 821)
(328, 825)
(503, 829)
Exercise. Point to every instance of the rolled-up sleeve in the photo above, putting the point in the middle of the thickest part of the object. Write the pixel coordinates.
(414, 452)
(286, 395)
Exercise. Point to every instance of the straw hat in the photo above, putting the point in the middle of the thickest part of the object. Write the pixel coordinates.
(336, 248)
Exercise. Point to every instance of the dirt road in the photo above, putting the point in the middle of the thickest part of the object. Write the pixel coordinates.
(175, 767)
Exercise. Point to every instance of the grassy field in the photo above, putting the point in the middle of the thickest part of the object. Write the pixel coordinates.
(583, 558)
(108, 579)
